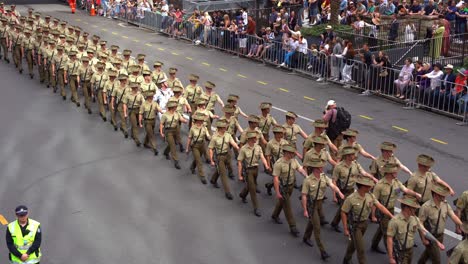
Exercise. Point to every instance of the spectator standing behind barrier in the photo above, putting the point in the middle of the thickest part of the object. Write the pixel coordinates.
(335, 61)
(460, 20)
(404, 78)
(293, 44)
(435, 77)
(393, 34)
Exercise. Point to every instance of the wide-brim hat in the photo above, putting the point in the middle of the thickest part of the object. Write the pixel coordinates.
(278, 129)
(319, 140)
(425, 160)
(289, 148)
(365, 181)
(146, 72)
(314, 163)
(171, 104)
(320, 123)
(199, 117)
(350, 132)
(265, 105)
(172, 70)
(127, 52)
(134, 85)
(390, 168)
(348, 151)
(253, 118)
(388, 146)
(193, 77)
(210, 85)
(149, 93)
(221, 124)
(409, 201)
(448, 66)
(123, 76)
(251, 135)
(228, 109)
(440, 189)
(177, 89)
(291, 114)
(158, 64)
(462, 71)
(233, 97)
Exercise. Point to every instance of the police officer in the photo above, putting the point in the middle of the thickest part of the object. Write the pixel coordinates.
(131, 107)
(386, 192)
(274, 151)
(218, 150)
(168, 130)
(433, 214)
(148, 110)
(313, 192)
(249, 156)
(357, 208)
(23, 238)
(284, 176)
(387, 149)
(196, 143)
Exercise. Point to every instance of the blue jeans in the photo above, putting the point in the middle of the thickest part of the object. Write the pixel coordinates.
(287, 57)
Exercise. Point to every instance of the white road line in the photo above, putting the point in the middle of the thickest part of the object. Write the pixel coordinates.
(284, 111)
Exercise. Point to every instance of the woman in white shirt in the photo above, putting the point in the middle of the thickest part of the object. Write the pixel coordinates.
(207, 21)
(405, 76)
(293, 45)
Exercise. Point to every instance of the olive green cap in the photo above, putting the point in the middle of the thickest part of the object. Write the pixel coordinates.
(158, 64)
(233, 97)
(112, 73)
(228, 109)
(123, 76)
(148, 93)
(390, 168)
(320, 123)
(141, 56)
(100, 65)
(127, 52)
(250, 135)
(60, 47)
(425, 160)
(114, 47)
(146, 72)
(410, 201)
(72, 53)
(102, 42)
(200, 101)
(387, 146)
(134, 85)
(90, 51)
(350, 132)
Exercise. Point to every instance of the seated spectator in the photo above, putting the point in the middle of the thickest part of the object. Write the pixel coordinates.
(430, 9)
(416, 8)
(268, 41)
(460, 20)
(456, 92)
(387, 8)
(448, 81)
(328, 34)
(404, 78)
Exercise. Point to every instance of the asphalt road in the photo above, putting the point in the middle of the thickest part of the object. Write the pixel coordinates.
(102, 200)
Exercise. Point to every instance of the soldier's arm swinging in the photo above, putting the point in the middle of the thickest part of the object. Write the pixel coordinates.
(390, 250)
(344, 220)
(125, 109)
(265, 162)
(440, 181)
(304, 204)
(276, 186)
(302, 171)
(239, 170)
(161, 126)
(211, 156)
(336, 190)
(383, 209)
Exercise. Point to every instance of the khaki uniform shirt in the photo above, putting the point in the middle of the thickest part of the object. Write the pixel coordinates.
(207, 114)
(281, 169)
(158, 76)
(266, 123)
(422, 183)
(220, 143)
(99, 80)
(399, 227)
(198, 134)
(430, 212)
(86, 73)
(355, 145)
(243, 137)
(143, 67)
(170, 120)
(376, 165)
(15, 37)
(144, 86)
(60, 61)
(290, 133)
(324, 155)
(232, 125)
(127, 63)
(382, 192)
(121, 71)
(172, 83)
(133, 100)
(119, 93)
(4, 31)
(274, 148)
(148, 109)
(355, 202)
(181, 102)
(311, 184)
(110, 86)
(138, 79)
(68, 48)
(462, 204)
(245, 154)
(212, 99)
(460, 253)
(28, 43)
(308, 144)
(73, 68)
(114, 58)
(50, 54)
(192, 93)
(341, 172)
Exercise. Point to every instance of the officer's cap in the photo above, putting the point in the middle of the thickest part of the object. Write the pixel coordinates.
(199, 117)
(265, 105)
(410, 201)
(387, 146)
(314, 163)
(193, 77)
(172, 70)
(210, 85)
(348, 150)
(390, 168)
(289, 148)
(177, 89)
(228, 109)
(320, 123)
(291, 114)
(158, 64)
(365, 181)
(350, 132)
(278, 129)
(21, 210)
(440, 189)
(171, 104)
(233, 97)
(425, 160)
(253, 118)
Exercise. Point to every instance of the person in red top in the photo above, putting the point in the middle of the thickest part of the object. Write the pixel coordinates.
(456, 92)
(251, 26)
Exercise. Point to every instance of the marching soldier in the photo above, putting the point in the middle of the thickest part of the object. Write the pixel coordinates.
(196, 143)
(423, 178)
(172, 80)
(356, 210)
(433, 214)
(313, 192)
(462, 211)
(69, 44)
(4, 40)
(103, 59)
(50, 53)
(291, 129)
(63, 27)
(37, 60)
(142, 64)
(232, 126)
(168, 130)
(157, 73)
(148, 85)
(182, 106)
(117, 95)
(387, 149)
(232, 101)
(201, 108)
(162, 97)
(401, 230)
(249, 156)
(127, 61)
(386, 192)
(319, 130)
(98, 81)
(284, 176)
(87, 78)
(253, 121)
(59, 62)
(460, 253)
(73, 71)
(121, 94)
(93, 61)
(212, 98)
(344, 176)
(350, 136)
(23, 238)
(266, 122)
(15, 46)
(42, 61)
(114, 54)
(318, 151)
(274, 151)
(102, 49)
(131, 103)
(192, 91)
(27, 49)
(148, 110)
(135, 74)
(219, 149)
(94, 43)
(81, 51)
(118, 67)
(109, 87)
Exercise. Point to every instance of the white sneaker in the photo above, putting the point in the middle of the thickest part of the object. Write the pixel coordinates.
(283, 64)
(309, 67)
(366, 92)
(342, 81)
(321, 79)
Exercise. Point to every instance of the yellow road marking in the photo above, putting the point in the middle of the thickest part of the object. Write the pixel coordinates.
(161, 49)
(136, 40)
(3, 221)
(188, 58)
(114, 33)
(125, 37)
(400, 128)
(260, 82)
(149, 45)
(174, 53)
(103, 29)
(77, 19)
(439, 141)
(242, 76)
(205, 63)
(309, 98)
(222, 69)
(283, 90)
(366, 117)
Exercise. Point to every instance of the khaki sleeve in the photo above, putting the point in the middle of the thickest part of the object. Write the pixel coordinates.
(392, 228)
(212, 143)
(450, 211)
(346, 205)
(277, 169)
(423, 214)
(373, 167)
(377, 191)
(336, 173)
(462, 200)
(142, 110)
(411, 183)
(305, 187)
(268, 150)
(241, 156)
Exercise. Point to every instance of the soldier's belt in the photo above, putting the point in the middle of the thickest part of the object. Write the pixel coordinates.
(252, 168)
(74, 76)
(133, 109)
(149, 119)
(170, 129)
(222, 154)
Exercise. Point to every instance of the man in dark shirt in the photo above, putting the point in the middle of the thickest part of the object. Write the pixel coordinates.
(367, 59)
(430, 9)
(415, 8)
(26, 225)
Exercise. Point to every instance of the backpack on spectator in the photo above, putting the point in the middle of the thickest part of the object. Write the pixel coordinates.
(342, 122)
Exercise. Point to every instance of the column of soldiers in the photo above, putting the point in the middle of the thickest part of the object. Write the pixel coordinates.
(127, 90)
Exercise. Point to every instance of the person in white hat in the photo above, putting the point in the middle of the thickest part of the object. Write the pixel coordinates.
(446, 86)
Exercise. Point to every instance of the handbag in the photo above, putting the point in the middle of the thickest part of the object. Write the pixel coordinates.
(383, 73)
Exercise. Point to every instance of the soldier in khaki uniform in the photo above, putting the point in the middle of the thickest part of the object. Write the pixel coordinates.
(460, 252)
(157, 73)
(168, 130)
(103, 58)
(232, 126)
(135, 74)
(284, 176)
(319, 130)
(350, 136)
(291, 129)
(357, 207)
(41, 61)
(182, 106)
(127, 61)
(433, 214)
(386, 192)
(87, 73)
(114, 55)
(313, 192)
(266, 122)
(318, 151)
(274, 151)
(73, 71)
(4, 39)
(148, 85)
(344, 176)
(423, 178)
(402, 229)
(212, 97)
(219, 150)
(192, 91)
(118, 67)
(27, 49)
(109, 87)
(196, 142)
(387, 149)
(172, 80)
(15, 46)
(148, 110)
(462, 211)
(59, 62)
(117, 95)
(232, 101)
(201, 103)
(253, 121)
(98, 81)
(249, 156)
(49, 54)
(131, 106)
(142, 64)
